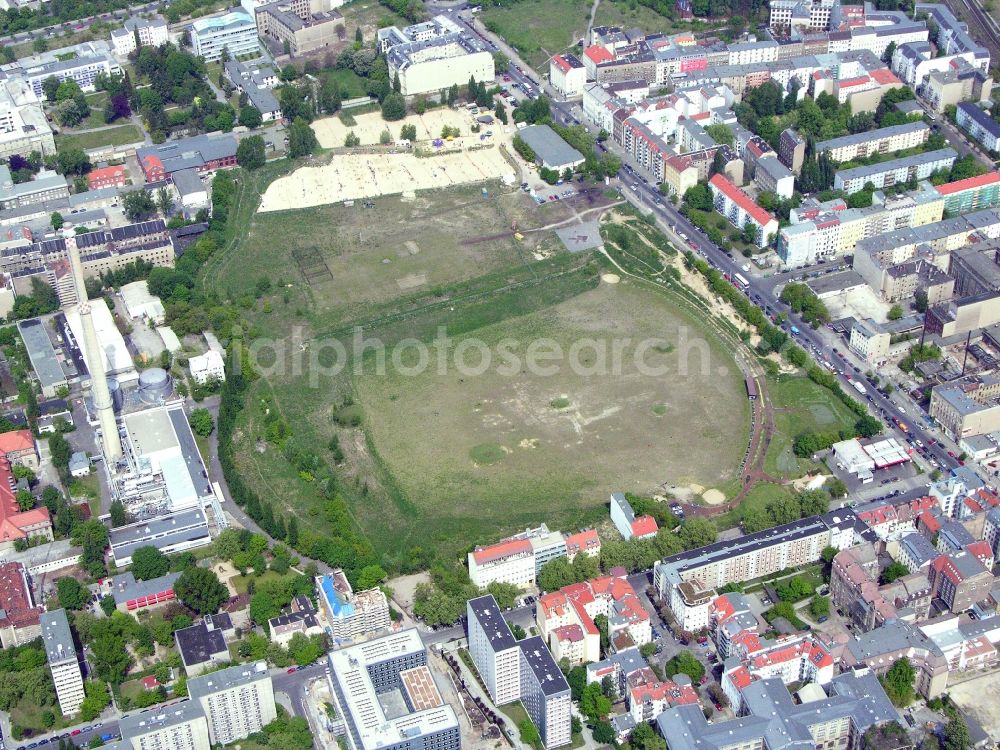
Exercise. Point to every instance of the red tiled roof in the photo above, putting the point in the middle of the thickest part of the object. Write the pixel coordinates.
(561, 63)
(930, 521)
(644, 525)
(852, 82)
(980, 549)
(96, 175)
(584, 541)
(15, 598)
(598, 54)
(16, 441)
(884, 76)
(969, 183)
(741, 199)
(572, 633)
(498, 551)
(12, 519)
(741, 677)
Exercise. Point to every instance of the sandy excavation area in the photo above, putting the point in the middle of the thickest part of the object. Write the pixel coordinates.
(331, 132)
(358, 176)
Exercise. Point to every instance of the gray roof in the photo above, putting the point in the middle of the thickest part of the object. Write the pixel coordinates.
(872, 135)
(159, 532)
(544, 668)
(919, 548)
(156, 719)
(125, 588)
(915, 160)
(198, 643)
(487, 612)
(79, 460)
(891, 637)
(773, 167)
(981, 118)
(956, 534)
(549, 147)
(224, 679)
(187, 181)
(44, 181)
(190, 152)
(41, 352)
(57, 636)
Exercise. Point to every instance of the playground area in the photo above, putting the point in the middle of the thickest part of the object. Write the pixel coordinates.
(359, 176)
(331, 131)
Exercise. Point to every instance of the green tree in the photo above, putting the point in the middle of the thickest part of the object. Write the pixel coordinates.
(149, 563)
(200, 589)
(836, 487)
(71, 594)
(898, 682)
(49, 87)
(263, 608)
(604, 733)
(118, 515)
(393, 107)
(370, 577)
(301, 139)
(819, 607)
(956, 734)
(201, 422)
(24, 499)
(555, 574)
(97, 698)
(56, 219)
(138, 205)
(250, 117)
(505, 593)
(893, 571)
(529, 733)
(687, 663)
(250, 153)
(92, 537)
(895, 312)
(697, 532)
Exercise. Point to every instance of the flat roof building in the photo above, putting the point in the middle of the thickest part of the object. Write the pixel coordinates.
(350, 614)
(181, 726)
(237, 701)
(234, 31)
(174, 532)
(203, 645)
(551, 151)
(386, 694)
(63, 663)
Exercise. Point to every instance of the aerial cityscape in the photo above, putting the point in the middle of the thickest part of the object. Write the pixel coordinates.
(525, 375)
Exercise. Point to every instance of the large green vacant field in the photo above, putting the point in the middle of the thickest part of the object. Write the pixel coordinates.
(800, 405)
(442, 461)
(116, 136)
(539, 29)
(490, 451)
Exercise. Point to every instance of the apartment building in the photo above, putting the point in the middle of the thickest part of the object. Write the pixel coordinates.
(880, 648)
(545, 693)
(741, 210)
(23, 125)
(835, 717)
(203, 153)
(647, 696)
(970, 406)
(979, 125)
(967, 644)
(348, 613)
(585, 542)
(63, 663)
(256, 82)
(959, 580)
(303, 26)
(431, 56)
(494, 650)
(774, 177)
(971, 194)
(961, 82)
(45, 186)
(975, 270)
(882, 141)
(20, 619)
(567, 75)
(812, 15)
(888, 173)
(181, 726)
(792, 150)
(565, 618)
(368, 678)
(751, 556)
(870, 341)
(629, 525)
(234, 31)
(82, 63)
(138, 32)
(237, 701)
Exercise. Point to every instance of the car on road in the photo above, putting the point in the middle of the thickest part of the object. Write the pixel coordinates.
(291, 670)
(75, 732)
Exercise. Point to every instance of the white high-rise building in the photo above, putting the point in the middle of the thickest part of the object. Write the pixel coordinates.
(237, 701)
(139, 32)
(178, 727)
(65, 667)
(494, 650)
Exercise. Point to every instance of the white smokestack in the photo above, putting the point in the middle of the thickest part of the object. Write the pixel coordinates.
(95, 362)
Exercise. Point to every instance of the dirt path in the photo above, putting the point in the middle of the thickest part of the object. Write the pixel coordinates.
(593, 15)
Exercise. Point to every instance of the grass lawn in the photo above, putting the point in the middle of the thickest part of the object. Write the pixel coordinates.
(800, 405)
(539, 28)
(759, 496)
(629, 15)
(351, 84)
(242, 583)
(117, 136)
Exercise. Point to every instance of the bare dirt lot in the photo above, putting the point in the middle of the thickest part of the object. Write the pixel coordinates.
(973, 697)
(331, 131)
(351, 177)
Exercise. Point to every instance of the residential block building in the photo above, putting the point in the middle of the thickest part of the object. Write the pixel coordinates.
(82, 63)
(63, 663)
(879, 649)
(970, 406)
(201, 152)
(519, 558)
(304, 26)
(880, 141)
(348, 613)
(494, 650)
(888, 173)
(391, 666)
(545, 693)
(629, 525)
(567, 75)
(959, 580)
(741, 210)
(138, 32)
(979, 125)
(20, 619)
(237, 701)
(181, 726)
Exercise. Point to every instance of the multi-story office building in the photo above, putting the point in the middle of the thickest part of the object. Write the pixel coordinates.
(517, 559)
(545, 693)
(23, 125)
(979, 125)
(395, 668)
(881, 141)
(304, 26)
(139, 32)
(970, 406)
(44, 187)
(235, 31)
(63, 663)
(432, 56)
(888, 173)
(879, 649)
(237, 701)
(348, 613)
(494, 650)
(181, 726)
